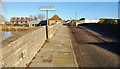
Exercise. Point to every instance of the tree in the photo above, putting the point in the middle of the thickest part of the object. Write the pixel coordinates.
(102, 20)
(118, 21)
(1, 18)
(82, 19)
(108, 21)
(41, 16)
(31, 16)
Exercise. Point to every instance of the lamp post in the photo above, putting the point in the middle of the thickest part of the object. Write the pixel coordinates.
(47, 8)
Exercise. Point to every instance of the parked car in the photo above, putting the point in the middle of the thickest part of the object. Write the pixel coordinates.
(42, 23)
(25, 24)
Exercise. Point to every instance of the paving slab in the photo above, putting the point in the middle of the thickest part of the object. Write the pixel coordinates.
(58, 52)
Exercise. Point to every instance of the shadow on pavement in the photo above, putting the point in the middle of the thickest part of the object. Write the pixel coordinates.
(106, 30)
(113, 47)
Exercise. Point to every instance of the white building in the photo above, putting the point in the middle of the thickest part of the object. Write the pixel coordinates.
(91, 21)
(79, 22)
(31, 23)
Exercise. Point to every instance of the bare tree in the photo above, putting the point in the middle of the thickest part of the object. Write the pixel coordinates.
(31, 16)
(2, 18)
(2, 9)
(41, 16)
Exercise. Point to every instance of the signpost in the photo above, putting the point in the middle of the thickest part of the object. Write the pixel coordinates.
(47, 8)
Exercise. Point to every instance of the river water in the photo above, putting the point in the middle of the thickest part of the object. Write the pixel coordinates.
(5, 35)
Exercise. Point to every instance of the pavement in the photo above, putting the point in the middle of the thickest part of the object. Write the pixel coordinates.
(57, 52)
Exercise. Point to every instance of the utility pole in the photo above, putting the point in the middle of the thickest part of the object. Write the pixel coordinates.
(75, 18)
(47, 24)
(75, 15)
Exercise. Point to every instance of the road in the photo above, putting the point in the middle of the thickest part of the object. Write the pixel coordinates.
(92, 51)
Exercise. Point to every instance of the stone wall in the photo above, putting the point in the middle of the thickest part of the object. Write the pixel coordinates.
(21, 51)
(1, 47)
(52, 30)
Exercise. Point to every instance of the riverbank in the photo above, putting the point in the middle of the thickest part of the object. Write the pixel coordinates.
(16, 33)
(15, 28)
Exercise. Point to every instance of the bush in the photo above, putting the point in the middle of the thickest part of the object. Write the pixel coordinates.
(108, 21)
(119, 21)
(16, 24)
(8, 23)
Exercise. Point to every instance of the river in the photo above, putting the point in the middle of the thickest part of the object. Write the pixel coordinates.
(5, 35)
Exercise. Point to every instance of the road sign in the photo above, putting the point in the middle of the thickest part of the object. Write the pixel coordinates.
(49, 8)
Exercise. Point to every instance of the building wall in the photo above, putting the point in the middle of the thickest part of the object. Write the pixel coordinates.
(91, 21)
(21, 20)
(80, 22)
(53, 21)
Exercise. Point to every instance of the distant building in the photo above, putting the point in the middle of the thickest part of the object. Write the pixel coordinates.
(81, 21)
(38, 23)
(73, 22)
(68, 22)
(34, 22)
(22, 20)
(54, 19)
(91, 20)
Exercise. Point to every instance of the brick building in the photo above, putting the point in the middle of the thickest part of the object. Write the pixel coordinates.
(54, 19)
(22, 20)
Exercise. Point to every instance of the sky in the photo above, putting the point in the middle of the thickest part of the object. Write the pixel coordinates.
(66, 10)
(61, 0)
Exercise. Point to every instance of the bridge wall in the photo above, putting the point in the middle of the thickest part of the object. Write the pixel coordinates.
(53, 29)
(1, 47)
(22, 51)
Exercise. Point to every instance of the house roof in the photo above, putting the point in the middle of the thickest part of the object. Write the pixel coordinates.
(55, 17)
(34, 22)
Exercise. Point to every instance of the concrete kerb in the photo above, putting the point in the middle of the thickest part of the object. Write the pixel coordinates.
(73, 51)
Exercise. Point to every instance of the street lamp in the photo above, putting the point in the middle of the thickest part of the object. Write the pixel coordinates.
(47, 8)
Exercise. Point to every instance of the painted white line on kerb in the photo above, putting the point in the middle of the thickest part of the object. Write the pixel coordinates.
(75, 60)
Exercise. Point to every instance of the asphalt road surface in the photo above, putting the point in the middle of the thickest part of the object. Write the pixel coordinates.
(92, 51)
